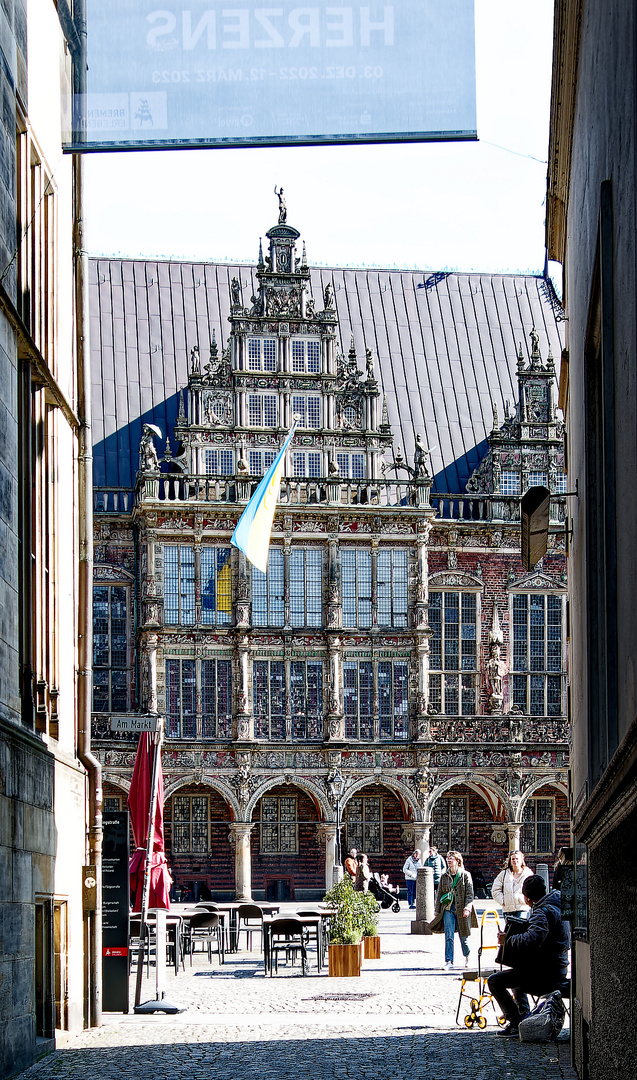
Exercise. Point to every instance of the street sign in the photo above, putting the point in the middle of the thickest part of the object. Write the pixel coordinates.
(134, 722)
(115, 907)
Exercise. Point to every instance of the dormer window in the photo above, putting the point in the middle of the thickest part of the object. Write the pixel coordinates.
(306, 356)
(261, 354)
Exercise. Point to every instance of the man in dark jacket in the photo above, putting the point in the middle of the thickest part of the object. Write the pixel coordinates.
(538, 956)
(437, 864)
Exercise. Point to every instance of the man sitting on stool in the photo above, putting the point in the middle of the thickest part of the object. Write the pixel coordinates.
(538, 957)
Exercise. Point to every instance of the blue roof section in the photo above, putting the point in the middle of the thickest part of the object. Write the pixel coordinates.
(446, 347)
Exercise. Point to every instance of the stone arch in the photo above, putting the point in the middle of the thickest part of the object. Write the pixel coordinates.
(393, 784)
(293, 780)
(535, 785)
(466, 780)
(116, 780)
(214, 782)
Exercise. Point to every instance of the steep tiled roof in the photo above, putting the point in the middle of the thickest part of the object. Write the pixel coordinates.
(446, 347)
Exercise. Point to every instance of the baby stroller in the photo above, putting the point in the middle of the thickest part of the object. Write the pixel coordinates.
(385, 898)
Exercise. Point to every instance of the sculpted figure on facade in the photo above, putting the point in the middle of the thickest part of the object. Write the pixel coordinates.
(148, 460)
(283, 210)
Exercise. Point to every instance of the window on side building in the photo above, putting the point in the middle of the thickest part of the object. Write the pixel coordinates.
(306, 587)
(181, 716)
(268, 691)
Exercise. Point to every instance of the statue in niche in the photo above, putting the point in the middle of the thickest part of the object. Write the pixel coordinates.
(495, 667)
(283, 210)
(148, 460)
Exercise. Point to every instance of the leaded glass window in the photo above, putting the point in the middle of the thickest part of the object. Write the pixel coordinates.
(259, 461)
(306, 689)
(279, 834)
(537, 833)
(112, 667)
(216, 586)
(451, 825)
(453, 618)
(538, 479)
(391, 587)
(216, 699)
(267, 592)
(268, 685)
(261, 354)
(307, 410)
(181, 719)
(306, 465)
(218, 462)
(112, 804)
(510, 483)
(191, 824)
(306, 587)
(262, 410)
(537, 653)
(392, 699)
(351, 466)
(356, 575)
(179, 585)
(306, 356)
(358, 694)
(364, 824)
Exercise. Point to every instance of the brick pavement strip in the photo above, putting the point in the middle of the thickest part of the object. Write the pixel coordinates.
(396, 1021)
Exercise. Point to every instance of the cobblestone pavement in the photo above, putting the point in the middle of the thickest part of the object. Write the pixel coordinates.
(396, 1021)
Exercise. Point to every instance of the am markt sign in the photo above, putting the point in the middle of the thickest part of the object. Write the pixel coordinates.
(193, 73)
(135, 722)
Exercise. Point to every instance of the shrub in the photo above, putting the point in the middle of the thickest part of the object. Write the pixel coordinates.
(355, 914)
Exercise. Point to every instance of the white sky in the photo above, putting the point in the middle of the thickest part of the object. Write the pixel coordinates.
(465, 206)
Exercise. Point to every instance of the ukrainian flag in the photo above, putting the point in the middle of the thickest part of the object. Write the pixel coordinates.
(252, 534)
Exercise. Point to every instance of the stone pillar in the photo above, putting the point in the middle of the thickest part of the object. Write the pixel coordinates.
(514, 829)
(151, 641)
(240, 834)
(328, 834)
(425, 901)
(244, 719)
(422, 837)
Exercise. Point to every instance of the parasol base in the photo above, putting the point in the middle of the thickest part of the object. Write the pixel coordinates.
(157, 1005)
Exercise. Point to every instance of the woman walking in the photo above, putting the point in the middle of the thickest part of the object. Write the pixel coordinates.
(363, 873)
(454, 903)
(507, 887)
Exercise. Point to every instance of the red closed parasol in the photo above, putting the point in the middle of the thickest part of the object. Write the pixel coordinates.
(139, 805)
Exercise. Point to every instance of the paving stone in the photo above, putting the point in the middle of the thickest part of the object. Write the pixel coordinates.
(396, 1022)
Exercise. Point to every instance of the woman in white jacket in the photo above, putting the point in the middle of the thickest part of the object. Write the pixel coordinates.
(507, 887)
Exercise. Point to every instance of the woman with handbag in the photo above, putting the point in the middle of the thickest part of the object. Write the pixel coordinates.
(454, 907)
(507, 887)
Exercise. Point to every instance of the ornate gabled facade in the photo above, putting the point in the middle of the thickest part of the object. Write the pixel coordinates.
(395, 635)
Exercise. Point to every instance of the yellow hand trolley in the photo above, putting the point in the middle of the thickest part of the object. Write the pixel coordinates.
(476, 978)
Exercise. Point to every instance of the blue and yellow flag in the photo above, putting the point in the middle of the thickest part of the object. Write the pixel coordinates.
(252, 534)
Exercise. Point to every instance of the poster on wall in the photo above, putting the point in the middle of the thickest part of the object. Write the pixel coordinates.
(197, 73)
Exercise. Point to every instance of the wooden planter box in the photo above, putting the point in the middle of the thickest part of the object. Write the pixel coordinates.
(345, 960)
(372, 947)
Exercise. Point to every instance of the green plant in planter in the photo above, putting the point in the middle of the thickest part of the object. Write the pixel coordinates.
(345, 923)
(368, 908)
(355, 914)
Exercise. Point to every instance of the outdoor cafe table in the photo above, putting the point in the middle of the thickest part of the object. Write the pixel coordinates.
(173, 932)
(314, 922)
(231, 908)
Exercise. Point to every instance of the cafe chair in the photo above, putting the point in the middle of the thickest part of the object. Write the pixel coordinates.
(288, 936)
(205, 928)
(250, 920)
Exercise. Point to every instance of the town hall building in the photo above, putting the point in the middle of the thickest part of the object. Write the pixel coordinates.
(396, 639)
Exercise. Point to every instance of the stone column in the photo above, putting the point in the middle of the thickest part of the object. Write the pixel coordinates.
(328, 834)
(244, 719)
(422, 837)
(240, 834)
(514, 828)
(425, 901)
(151, 642)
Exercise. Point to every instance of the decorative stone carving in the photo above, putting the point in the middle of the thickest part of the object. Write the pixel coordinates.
(495, 667)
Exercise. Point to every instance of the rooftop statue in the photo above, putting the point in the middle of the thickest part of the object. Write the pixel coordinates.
(283, 210)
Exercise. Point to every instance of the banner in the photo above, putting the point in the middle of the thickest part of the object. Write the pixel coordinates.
(195, 73)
